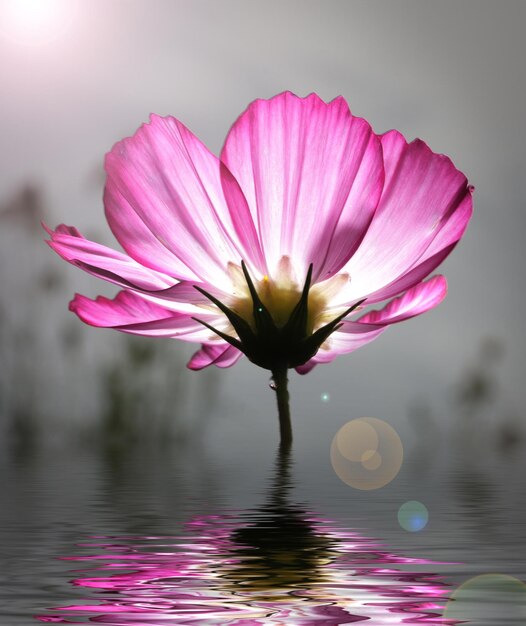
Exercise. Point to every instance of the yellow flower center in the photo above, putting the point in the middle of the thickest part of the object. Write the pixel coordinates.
(273, 321)
(281, 294)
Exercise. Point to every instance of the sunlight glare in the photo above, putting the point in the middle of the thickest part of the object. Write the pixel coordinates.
(35, 22)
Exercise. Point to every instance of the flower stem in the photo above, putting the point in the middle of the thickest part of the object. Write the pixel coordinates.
(280, 378)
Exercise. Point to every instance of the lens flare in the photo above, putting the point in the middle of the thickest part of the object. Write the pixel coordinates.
(413, 516)
(488, 599)
(34, 22)
(366, 453)
(325, 397)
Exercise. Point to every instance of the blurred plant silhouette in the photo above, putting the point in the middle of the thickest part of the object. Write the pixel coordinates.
(24, 209)
(141, 390)
(121, 390)
(478, 385)
(476, 405)
(20, 217)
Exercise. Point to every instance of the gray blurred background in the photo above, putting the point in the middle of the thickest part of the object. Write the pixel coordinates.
(451, 72)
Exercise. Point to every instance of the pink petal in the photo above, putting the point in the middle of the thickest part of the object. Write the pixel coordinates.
(122, 270)
(104, 262)
(447, 238)
(130, 313)
(354, 335)
(165, 204)
(312, 175)
(220, 354)
(184, 297)
(351, 337)
(126, 308)
(417, 300)
(422, 193)
(137, 239)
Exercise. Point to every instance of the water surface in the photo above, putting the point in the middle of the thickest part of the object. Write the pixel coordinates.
(192, 534)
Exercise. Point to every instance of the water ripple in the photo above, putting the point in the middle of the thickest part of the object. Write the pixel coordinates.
(278, 564)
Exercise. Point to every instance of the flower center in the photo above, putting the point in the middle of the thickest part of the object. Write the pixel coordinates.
(274, 322)
(280, 294)
(279, 297)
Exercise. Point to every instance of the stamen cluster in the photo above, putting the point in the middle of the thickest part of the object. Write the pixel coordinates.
(268, 345)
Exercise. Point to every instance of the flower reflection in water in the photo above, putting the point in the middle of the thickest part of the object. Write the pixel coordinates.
(277, 564)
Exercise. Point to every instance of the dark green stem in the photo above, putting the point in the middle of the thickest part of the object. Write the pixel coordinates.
(279, 375)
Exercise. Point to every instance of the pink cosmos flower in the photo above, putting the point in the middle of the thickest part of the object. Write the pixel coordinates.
(267, 249)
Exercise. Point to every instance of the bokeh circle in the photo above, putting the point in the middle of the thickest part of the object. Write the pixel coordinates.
(488, 599)
(413, 516)
(366, 453)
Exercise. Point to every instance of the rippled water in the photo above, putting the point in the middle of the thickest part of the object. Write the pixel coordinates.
(143, 537)
(253, 569)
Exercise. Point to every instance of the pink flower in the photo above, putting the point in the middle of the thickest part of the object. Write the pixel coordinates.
(306, 214)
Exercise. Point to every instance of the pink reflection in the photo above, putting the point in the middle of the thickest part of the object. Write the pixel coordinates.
(274, 566)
